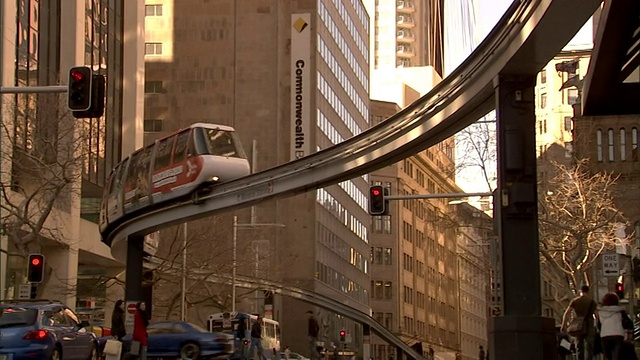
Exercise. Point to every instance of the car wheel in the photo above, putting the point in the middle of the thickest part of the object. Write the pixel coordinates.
(55, 354)
(190, 351)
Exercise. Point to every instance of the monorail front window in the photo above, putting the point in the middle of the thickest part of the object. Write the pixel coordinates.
(224, 143)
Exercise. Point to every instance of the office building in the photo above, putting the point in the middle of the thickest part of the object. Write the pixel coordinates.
(292, 78)
(41, 40)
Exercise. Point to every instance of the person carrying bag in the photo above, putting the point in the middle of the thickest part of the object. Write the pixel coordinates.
(582, 326)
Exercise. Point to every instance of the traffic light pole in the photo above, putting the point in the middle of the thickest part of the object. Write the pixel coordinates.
(33, 89)
(436, 196)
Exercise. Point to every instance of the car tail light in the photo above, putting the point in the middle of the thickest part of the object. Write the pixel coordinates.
(246, 342)
(35, 335)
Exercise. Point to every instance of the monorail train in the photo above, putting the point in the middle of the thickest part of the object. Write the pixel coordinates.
(171, 168)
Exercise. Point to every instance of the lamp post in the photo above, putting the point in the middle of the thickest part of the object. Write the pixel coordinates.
(237, 226)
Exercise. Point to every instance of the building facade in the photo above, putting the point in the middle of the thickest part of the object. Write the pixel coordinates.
(555, 99)
(414, 273)
(292, 78)
(41, 41)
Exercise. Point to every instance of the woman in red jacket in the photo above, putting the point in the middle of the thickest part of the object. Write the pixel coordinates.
(140, 322)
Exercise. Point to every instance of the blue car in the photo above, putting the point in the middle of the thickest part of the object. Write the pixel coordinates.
(176, 339)
(43, 329)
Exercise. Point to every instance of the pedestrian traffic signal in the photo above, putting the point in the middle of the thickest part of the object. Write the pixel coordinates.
(620, 290)
(377, 202)
(343, 335)
(79, 88)
(35, 271)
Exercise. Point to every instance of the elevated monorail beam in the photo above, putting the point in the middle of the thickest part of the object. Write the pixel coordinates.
(307, 296)
(529, 35)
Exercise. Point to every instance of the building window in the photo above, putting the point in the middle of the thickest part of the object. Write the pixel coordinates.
(572, 96)
(152, 125)
(611, 146)
(386, 256)
(599, 144)
(543, 76)
(388, 290)
(623, 144)
(568, 123)
(152, 48)
(568, 150)
(153, 10)
(153, 87)
(543, 101)
(634, 144)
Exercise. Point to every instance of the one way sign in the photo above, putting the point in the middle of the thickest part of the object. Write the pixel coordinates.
(610, 265)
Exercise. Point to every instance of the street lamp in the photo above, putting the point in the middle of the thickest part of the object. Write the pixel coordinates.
(237, 226)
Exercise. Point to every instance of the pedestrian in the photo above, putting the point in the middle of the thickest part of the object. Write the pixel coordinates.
(313, 330)
(432, 353)
(256, 338)
(117, 321)
(481, 353)
(611, 330)
(140, 323)
(584, 307)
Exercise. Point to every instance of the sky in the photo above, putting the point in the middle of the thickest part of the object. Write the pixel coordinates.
(490, 12)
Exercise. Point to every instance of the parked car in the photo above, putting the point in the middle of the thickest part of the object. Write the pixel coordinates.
(296, 356)
(180, 339)
(43, 329)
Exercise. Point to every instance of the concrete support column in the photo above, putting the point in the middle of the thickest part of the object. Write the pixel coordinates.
(61, 276)
(133, 283)
(521, 331)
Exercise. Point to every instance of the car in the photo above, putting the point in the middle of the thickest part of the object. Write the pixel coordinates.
(180, 339)
(296, 356)
(43, 329)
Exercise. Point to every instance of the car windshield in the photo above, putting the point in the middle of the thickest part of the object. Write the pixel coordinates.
(197, 328)
(16, 316)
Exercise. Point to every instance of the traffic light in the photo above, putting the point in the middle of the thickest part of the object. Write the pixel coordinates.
(85, 92)
(79, 89)
(377, 202)
(620, 290)
(35, 272)
(343, 335)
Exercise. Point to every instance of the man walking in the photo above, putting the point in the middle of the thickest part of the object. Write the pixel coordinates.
(312, 331)
(256, 339)
(583, 306)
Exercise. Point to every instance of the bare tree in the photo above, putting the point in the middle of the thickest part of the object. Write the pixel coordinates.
(578, 220)
(209, 250)
(476, 151)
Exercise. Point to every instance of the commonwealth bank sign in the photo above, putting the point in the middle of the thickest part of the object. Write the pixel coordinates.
(300, 85)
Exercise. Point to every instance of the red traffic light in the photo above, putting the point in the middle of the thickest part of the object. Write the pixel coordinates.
(377, 201)
(35, 271)
(76, 75)
(619, 287)
(343, 333)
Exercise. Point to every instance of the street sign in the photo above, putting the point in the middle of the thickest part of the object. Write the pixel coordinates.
(610, 264)
(129, 316)
(24, 291)
(131, 308)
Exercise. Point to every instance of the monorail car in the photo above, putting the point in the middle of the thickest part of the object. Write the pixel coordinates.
(171, 168)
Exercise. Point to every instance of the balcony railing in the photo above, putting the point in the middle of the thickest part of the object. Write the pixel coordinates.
(405, 35)
(405, 6)
(405, 21)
